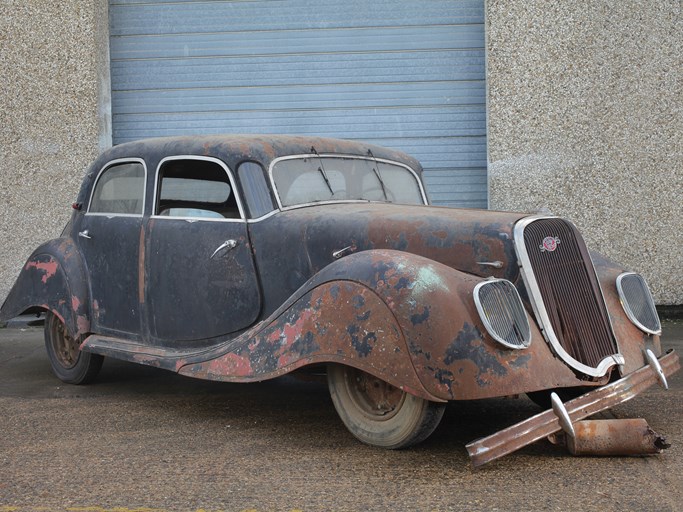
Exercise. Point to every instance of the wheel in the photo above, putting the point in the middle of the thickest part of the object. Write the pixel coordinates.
(542, 398)
(68, 362)
(378, 413)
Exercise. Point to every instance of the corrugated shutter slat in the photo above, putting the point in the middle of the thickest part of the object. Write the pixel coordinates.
(408, 75)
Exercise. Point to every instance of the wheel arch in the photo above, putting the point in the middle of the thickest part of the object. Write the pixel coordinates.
(52, 279)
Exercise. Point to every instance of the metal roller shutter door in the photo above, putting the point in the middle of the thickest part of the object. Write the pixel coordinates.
(408, 75)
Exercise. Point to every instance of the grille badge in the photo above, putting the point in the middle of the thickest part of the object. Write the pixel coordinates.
(550, 243)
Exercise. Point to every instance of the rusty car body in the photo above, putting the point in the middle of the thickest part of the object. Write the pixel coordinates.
(243, 258)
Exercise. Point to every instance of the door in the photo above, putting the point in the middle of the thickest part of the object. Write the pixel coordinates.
(109, 238)
(200, 276)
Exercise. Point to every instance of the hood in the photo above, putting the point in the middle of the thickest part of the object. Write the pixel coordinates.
(478, 242)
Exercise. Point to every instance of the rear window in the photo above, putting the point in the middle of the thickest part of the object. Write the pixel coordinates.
(120, 189)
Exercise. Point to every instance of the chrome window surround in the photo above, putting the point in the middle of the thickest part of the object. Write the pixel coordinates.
(342, 156)
(649, 302)
(514, 313)
(197, 219)
(540, 311)
(107, 166)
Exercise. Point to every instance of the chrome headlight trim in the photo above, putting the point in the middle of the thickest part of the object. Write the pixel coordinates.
(627, 299)
(505, 308)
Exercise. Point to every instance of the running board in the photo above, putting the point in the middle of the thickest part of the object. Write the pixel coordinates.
(126, 350)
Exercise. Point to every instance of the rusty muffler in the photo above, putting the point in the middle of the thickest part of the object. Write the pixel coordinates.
(611, 438)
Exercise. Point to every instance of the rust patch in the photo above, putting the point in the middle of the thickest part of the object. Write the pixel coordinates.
(48, 268)
(141, 266)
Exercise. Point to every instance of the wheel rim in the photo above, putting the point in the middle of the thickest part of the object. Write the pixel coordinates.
(66, 348)
(374, 397)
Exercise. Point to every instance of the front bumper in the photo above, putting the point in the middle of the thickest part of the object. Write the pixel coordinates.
(547, 423)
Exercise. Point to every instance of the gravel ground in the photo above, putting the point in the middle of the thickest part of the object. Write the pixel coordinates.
(141, 439)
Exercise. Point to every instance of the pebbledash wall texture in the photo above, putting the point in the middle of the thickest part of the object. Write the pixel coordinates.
(53, 117)
(585, 118)
(585, 102)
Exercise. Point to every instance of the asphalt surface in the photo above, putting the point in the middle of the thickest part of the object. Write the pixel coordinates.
(142, 439)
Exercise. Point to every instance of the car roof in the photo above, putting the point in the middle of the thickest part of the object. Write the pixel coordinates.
(233, 149)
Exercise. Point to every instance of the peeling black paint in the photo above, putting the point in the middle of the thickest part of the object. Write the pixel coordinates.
(446, 378)
(417, 319)
(468, 346)
(404, 282)
(306, 344)
(358, 301)
(362, 347)
(363, 316)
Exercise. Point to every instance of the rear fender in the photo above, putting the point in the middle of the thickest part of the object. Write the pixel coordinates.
(53, 279)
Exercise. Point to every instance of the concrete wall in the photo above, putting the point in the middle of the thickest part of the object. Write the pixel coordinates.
(586, 119)
(54, 83)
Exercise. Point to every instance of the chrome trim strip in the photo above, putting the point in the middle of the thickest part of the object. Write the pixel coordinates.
(540, 311)
(627, 307)
(196, 219)
(341, 156)
(484, 318)
(263, 217)
(205, 159)
(106, 166)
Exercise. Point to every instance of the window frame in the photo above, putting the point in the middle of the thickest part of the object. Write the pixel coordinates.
(231, 180)
(276, 192)
(106, 167)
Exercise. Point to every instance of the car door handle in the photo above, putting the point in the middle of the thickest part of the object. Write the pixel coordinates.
(84, 234)
(225, 247)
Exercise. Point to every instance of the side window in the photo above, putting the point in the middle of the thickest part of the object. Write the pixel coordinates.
(195, 188)
(256, 191)
(120, 189)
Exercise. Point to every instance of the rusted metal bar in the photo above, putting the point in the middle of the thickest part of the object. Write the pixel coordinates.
(616, 437)
(546, 423)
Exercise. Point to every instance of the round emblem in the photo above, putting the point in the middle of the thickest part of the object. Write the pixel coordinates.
(550, 243)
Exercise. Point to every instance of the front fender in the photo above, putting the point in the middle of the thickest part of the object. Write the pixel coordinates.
(52, 279)
(453, 355)
(403, 318)
(632, 342)
(337, 321)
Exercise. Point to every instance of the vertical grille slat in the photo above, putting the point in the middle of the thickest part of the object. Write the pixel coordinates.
(570, 290)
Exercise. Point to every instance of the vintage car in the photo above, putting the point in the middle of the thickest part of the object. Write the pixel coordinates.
(243, 258)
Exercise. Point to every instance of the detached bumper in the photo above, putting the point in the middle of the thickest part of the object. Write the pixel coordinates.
(547, 423)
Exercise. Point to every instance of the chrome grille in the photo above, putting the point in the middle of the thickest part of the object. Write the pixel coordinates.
(568, 292)
(502, 312)
(637, 302)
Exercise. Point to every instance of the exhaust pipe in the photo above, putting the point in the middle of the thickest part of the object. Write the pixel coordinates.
(611, 438)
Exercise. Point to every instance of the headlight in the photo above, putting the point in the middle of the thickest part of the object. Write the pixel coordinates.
(502, 312)
(637, 302)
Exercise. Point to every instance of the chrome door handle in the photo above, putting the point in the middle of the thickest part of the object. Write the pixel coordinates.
(84, 234)
(343, 252)
(226, 246)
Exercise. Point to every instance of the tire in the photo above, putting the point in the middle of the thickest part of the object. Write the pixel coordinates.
(542, 398)
(379, 414)
(68, 362)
